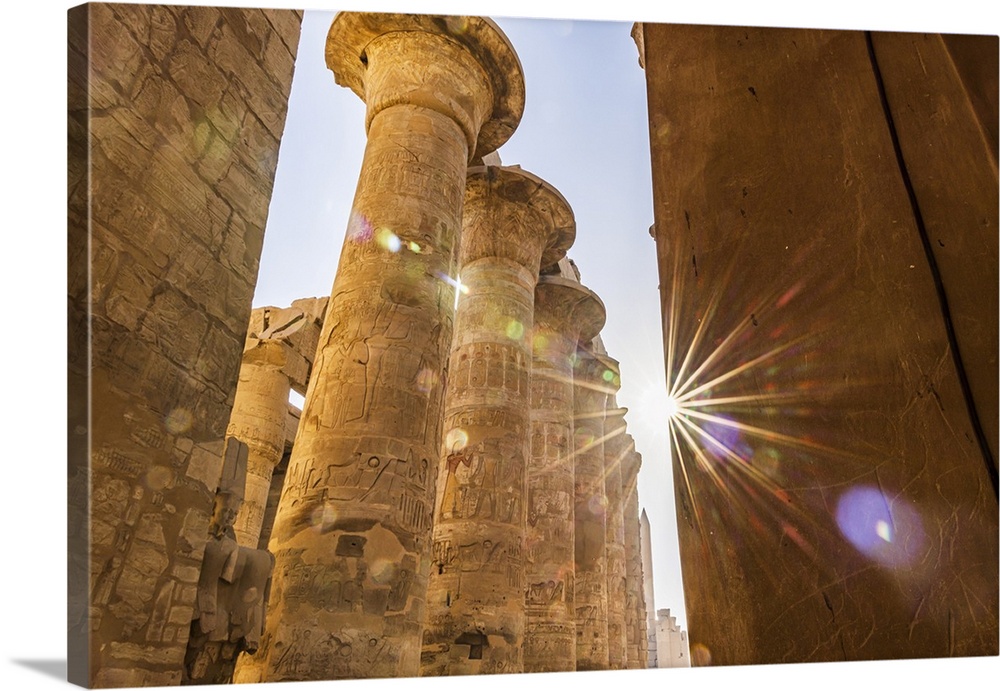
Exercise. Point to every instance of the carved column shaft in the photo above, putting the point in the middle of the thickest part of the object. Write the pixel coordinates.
(614, 450)
(475, 598)
(565, 312)
(635, 612)
(351, 534)
(258, 419)
(591, 390)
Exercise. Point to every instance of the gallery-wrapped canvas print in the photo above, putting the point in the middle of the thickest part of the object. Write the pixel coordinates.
(613, 305)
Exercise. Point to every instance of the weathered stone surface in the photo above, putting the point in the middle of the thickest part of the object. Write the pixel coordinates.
(635, 600)
(513, 222)
(615, 448)
(933, 111)
(227, 615)
(594, 380)
(352, 531)
(165, 319)
(355, 39)
(846, 509)
(565, 313)
(277, 357)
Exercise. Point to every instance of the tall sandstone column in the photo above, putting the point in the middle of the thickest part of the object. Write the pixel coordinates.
(258, 419)
(514, 224)
(635, 612)
(615, 448)
(351, 535)
(277, 358)
(565, 312)
(595, 379)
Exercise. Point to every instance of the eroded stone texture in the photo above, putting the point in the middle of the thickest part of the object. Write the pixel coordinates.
(232, 590)
(277, 358)
(594, 379)
(845, 509)
(352, 531)
(934, 107)
(513, 225)
(616, 446)
(181, 117)
(565, 313)
(635, 601)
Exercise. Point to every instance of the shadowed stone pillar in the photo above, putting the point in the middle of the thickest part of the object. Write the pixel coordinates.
(843, 464)
(351, 534)
(565, 312)
(594, 381)
(615, 448)
(514, 224)
(635, 612)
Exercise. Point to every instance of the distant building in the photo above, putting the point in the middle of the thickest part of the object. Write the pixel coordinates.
(667, 643)
(671, 641)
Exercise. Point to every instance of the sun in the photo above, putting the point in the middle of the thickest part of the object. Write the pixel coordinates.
(673, 407)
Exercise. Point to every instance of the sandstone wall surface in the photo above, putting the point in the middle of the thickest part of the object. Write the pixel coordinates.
(815, 196)
(180, 110)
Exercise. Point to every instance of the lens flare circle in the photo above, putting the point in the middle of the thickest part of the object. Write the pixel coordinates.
(887, 530)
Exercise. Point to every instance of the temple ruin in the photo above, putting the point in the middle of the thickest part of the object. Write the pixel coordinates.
(457, 494)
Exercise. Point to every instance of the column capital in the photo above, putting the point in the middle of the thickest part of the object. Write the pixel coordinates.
(525, 214)
(488, 119)
(597, 373)
(569, 307)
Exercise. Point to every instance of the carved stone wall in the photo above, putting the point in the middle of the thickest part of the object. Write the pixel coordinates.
(180, 110)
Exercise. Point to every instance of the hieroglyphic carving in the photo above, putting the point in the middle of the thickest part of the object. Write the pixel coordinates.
(565, 311)
(360, 482)
(615, 450)
(592, 386)
(513, 222)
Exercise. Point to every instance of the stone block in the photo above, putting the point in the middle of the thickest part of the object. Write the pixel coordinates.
(180, 615)
(206, 465)
(197, 78)
(200, 22)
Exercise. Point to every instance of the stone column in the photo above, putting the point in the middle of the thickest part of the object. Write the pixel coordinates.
(635, 613)
(258, 419)
(514, 224)
(352, 530)
(565, 312)
(594, 381)
(615, 448)
(277, 358)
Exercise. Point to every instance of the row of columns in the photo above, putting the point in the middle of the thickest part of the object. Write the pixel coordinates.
(459, 495)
